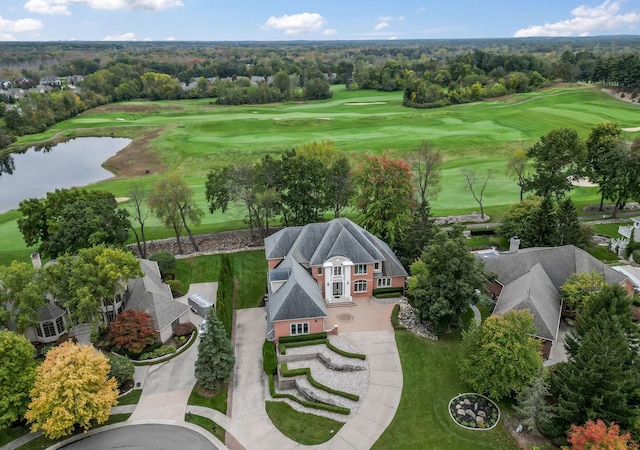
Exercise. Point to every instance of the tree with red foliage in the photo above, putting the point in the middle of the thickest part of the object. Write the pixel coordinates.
(597, 435)
(384, 196)
(133, 331)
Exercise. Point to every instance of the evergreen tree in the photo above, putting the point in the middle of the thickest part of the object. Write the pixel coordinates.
(569, 229)
(601, 378)
(533, 408)
(215, 361)
(542, 225)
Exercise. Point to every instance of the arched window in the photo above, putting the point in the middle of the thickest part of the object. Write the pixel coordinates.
(360, 286)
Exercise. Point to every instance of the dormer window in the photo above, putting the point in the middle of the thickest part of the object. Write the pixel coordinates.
(376, 266)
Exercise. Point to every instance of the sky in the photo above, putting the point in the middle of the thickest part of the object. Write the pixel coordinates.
(279, 20)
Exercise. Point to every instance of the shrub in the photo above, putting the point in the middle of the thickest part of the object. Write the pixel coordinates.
(323, 406)
(176, 286)
(303, 337)
(132, 330)
(269, 358)
(121, 368)
(636, 255)
(184, 329)
(166, 262)
(305, 371)
(395, 323)
(388, 290)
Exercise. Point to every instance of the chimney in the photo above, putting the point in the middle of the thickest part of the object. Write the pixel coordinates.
(35, 260)
(514, 244)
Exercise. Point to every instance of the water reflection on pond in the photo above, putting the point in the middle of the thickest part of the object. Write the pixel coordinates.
(44, 169)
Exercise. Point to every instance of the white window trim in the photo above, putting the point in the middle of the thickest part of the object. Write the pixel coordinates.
(384, 282)
(360, 269)
(360, 286)
(293, 328)
(377, 266)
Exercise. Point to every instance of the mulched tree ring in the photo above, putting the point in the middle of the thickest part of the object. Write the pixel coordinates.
(474, 411)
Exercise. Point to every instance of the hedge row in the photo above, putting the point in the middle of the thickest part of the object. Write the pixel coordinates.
(269, 358)
(306, 371)
(224, 297)
(323, 406)
(395, 323)
(387, 290)
(303, 337)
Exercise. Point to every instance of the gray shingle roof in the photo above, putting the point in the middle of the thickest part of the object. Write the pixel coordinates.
(534, 292)
(49, 312)
(314, 243)
(149, 294)
(298, 298)
(558, 262)
(532, 278)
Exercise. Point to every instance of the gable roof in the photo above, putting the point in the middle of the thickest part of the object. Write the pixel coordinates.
(558, 262)
(535, 292)
(149, 294)
(315, 243)
(299, 297)
(532, 277)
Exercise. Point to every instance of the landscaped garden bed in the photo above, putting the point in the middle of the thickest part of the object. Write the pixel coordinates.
(474, 411)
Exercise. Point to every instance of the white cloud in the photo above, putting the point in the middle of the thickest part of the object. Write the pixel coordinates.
(381, 25)
(400, 18)
(330, 32)
(421, 9)
(170, 38)
(62, 6)
(121, 37)
(385, 19)
(393, 38)
(586, 20)
(7, 37)
(19, 26)
(296, 23)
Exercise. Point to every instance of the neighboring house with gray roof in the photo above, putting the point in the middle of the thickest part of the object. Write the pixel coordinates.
(151, 295)
(531, 278)
(319, 264)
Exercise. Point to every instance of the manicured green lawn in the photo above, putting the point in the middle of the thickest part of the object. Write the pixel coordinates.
(207, 424)
(249, 273)
(307, 429)
(196, 135)
(217, 402)
(609, 229)
(431, 379)
(132, 398)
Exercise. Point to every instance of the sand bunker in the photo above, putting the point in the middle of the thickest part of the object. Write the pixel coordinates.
(631, 130)
(122, 199)
(583, 182)
(364, 103)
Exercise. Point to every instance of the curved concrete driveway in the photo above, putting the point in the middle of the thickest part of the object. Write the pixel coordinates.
(251, 426)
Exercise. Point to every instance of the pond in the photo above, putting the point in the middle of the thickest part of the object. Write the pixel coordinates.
(44, 169)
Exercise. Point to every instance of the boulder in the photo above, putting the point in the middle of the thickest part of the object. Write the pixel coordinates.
(470, 413)
(466, 402)
(482, 414)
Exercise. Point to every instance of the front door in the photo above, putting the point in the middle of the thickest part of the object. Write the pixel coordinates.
(337, 289)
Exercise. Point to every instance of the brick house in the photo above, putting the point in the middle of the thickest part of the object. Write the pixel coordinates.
(320, 264)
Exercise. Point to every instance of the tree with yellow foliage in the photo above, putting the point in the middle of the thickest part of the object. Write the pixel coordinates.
(72, 389)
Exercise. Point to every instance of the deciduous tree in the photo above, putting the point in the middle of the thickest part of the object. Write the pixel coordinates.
(446, 284)
(22, 294)
(69, 220)
(84, 283)
(132, 330)
(477, 185)
(215, 361)
(558, 158)
(72, 389)
(598, 435)
(517, 169)
(141, 214)
(171, 200)
(501, 356)
(384, 196)
(579, 288)
(17, 374)
(602, 140)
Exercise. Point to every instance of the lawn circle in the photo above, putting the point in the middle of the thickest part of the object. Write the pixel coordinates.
(474, 411)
